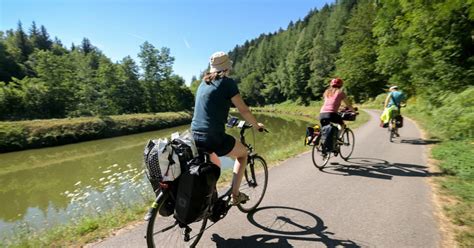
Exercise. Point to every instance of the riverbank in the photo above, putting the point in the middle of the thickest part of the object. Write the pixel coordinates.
(448, 131)
(100, 225)
(21, 135)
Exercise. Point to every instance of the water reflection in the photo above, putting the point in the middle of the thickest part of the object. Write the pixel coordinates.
(34, 181)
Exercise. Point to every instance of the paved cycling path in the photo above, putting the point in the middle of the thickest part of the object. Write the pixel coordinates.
(379, 198)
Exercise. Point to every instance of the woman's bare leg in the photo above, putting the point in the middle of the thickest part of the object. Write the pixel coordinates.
(239, 152)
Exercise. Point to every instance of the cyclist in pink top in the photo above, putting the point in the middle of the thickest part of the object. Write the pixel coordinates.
(333, 96)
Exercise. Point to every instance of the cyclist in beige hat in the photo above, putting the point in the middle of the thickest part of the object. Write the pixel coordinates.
(213, 100)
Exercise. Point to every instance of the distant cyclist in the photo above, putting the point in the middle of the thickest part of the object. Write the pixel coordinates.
(391, 105)
(213, 100)
(333, 96)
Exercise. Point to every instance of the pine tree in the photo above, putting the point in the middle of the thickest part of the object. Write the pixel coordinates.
(86, 46)
(299, 70)
(356, 64)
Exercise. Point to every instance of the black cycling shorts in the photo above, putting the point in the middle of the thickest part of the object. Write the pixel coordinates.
(222, 144)
(326, 118)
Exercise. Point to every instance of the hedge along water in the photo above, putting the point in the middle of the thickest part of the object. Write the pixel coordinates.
(44, 187)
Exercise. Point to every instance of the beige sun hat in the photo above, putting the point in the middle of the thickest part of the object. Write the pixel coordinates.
(220, 61)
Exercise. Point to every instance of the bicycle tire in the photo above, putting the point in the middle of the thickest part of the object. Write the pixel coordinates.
(347, 142)
(172, 235)
(393, 129)
(255, 176)
(319, 160)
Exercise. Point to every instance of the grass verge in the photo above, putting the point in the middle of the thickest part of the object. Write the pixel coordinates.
(20, 135)
(85, 230)
(455, 160)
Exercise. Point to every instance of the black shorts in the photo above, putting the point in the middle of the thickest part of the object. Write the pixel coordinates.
(222, 144)
(326, 118)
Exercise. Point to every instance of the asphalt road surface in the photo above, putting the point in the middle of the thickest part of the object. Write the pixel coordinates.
(378, 198)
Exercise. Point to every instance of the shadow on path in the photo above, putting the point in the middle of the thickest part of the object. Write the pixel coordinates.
(285, 224)
(377, 168)
(418, 141)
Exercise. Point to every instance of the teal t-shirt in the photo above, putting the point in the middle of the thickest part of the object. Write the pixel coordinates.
(398, 96)
(212, 105)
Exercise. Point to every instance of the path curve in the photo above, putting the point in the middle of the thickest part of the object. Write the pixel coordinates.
(378, 198)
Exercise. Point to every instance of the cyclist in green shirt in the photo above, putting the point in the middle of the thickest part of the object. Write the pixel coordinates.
(391, 105)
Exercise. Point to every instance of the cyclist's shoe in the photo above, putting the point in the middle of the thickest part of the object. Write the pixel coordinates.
(396, 134)
(385, 125)
(241, 198)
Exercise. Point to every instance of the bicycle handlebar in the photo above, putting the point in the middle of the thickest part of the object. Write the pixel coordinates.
(234, 121)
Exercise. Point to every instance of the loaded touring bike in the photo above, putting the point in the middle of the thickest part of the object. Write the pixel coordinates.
(168, 231)
(394, 124)
(343, 141)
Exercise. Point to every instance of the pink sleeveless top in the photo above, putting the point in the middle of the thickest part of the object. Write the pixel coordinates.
(332, 104)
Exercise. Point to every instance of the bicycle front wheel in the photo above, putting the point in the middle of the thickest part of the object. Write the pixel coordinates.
(348, 143)
(320, 158)
(166, 232)
(254, 183)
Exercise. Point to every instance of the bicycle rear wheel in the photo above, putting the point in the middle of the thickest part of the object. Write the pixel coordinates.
(254, 183)
(166, 232)
(348, 143)
(320, 159)
(393, 129)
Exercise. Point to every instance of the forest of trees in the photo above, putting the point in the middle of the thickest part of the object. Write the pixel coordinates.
(425, 47)
(41, 78)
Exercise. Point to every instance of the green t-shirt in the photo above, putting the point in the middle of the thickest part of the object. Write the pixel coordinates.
(212, 105)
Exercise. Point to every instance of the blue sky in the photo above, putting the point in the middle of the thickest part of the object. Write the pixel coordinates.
(193, 30)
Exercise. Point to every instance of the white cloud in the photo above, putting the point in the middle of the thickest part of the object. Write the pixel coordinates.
(136, 36)
(186, 43)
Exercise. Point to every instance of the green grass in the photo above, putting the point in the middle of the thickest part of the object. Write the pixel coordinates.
(85, 230)
(455, 155)
(456, 161)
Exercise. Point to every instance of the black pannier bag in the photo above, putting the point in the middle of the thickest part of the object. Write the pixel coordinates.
(399, 121)
(329, 137)
(168, 206)
(197, 185)
(309, 135)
